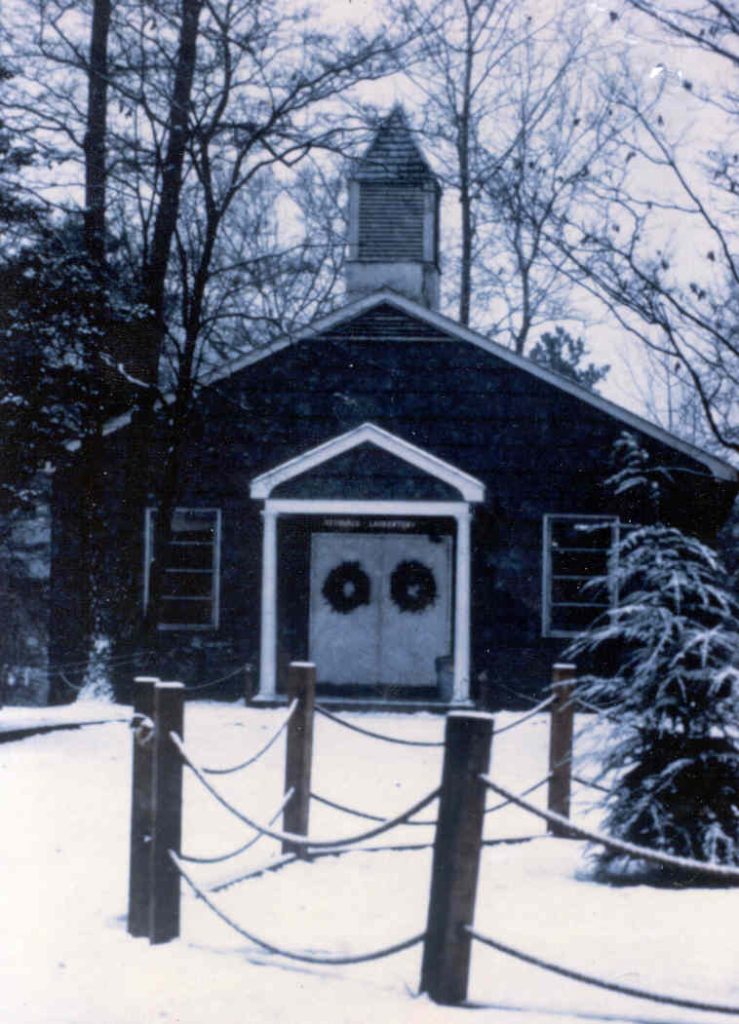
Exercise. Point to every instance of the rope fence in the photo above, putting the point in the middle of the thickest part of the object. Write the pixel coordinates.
(431, 821)
(589, 979)
(158, 866)
(376, 735)
(291, 837)
(135, 658)
(291, 954)
(708, 870)
(360, 814)
(139, 659)
(231, 674)
(543, 706)
(219, 859)
(290, 858)
(261, 752)
(526, 792)
(276, 864)
(590, 783)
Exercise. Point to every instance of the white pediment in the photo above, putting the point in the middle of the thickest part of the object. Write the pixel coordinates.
(469, 487)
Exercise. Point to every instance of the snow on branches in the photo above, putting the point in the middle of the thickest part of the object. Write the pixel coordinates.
(665, 669)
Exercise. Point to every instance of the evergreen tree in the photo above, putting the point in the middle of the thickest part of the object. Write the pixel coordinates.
(564, 354)
(56, 323)
(672, 692)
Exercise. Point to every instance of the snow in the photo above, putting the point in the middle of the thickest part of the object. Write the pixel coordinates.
(16, 719)
(67, 958)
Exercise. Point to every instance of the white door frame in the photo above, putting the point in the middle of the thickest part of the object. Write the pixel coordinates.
(457, 510)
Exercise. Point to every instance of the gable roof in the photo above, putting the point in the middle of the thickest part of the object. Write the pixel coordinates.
(369, 433)
(393, 155)
(721, 469)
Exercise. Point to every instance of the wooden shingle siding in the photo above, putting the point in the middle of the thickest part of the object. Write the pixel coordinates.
(384, 322)
(537, 449)
(394, 155)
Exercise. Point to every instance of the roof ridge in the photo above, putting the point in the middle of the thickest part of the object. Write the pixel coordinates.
(719, 466)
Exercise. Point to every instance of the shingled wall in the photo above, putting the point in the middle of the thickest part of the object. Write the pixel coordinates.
(536, 448)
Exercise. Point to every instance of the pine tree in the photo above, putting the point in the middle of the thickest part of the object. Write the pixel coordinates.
(564, 354)
(671, 692)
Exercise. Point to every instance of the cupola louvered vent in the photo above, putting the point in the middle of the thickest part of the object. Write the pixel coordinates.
(394, 218)
(390, 222)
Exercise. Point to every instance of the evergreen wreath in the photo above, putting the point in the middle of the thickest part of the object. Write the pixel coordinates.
(412, 586)
(346, 587)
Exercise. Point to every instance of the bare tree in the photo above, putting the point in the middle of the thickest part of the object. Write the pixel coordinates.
(460, 47)
(205, 99)
(533, 176)
(662, 256)
(516, 126)
(713, 25)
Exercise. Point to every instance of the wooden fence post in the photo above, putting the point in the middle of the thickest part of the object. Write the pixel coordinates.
(301, 686)
(446, 954)
(142, 780)
(164, 899)
(561, 731)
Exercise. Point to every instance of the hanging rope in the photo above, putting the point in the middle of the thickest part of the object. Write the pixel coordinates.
(524, 718)
(143, 729)
(588, 979)
(272, 865)
(112, 659)
(360, 814)
(514, 840)
(600, 712)
(217, 682)
(308, 958)
(507, 803)
(525, 697)
(720, 871)
(376, 735)
(260, 753)
(275, 865)
(72, 686)
(290, 837)
(590, 784)
(242, 849)
(383, 848)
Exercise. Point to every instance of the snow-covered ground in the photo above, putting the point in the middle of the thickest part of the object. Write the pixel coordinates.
(66, 957)
(17, 719)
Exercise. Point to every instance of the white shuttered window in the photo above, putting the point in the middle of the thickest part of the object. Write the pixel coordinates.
(191, 564)
(577, 550)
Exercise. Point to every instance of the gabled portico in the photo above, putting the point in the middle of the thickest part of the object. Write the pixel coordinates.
(387, 587)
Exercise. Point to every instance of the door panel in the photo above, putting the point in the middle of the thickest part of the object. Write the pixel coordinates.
(411, 641)
(344, 645)
(397, 636)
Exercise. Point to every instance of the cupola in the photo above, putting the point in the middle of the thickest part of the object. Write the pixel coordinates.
(394, 201)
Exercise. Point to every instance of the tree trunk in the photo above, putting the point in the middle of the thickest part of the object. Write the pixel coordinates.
(178, 134)
(137, 631)
(94, 144)
(465, 197)
(91, 455)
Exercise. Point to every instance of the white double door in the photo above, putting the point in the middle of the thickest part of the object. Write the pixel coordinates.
(380, 607)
